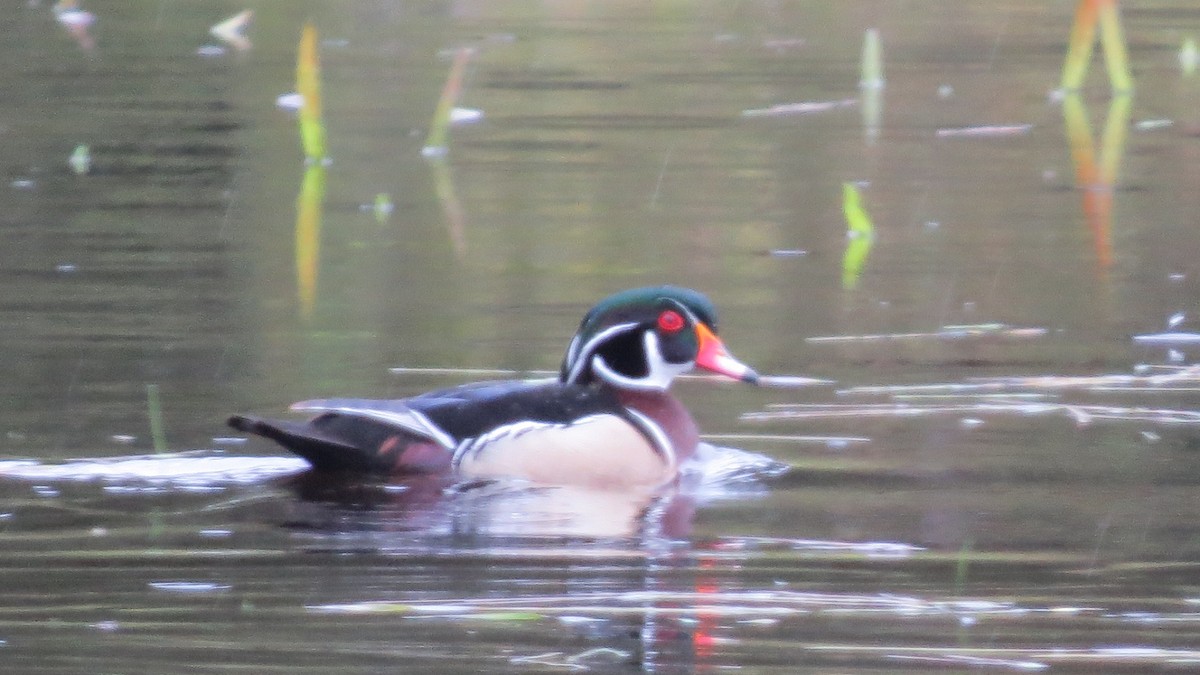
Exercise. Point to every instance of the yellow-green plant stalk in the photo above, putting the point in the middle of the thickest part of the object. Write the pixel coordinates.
(1116, 57)
(1189, 57)
(1088, 15)
(435, 143)
(308, 85)
(871, 71)
(154, 409)
(860, 235)
(80, 160)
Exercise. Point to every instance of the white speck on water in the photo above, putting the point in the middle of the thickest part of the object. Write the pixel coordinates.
(1150, 125)
(1176, 276)
(229, 440)
(66, 268)
(945, 91)
(215, 533)
(970, 422)
(98, 531)
(189, 586)
(788, 253)
(1175, 356)
(1176, 319)
(1049, 175)
(45, 491)
(932, 224)
(968, 306)
(105, 626)
(465, 115)
(1151, 437)
(123, 439)
(23, 184)
(210, 51)
(290, 101)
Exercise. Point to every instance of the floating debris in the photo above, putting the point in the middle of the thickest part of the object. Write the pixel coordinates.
(1082, 415)
(832, 441)
(290, 101)
(181, 470)
(76, 21)
(229, 440)
(23, 184)
(802, 108)
(189, 586)
(780, 44)
(470, 372)
(80, 160)
(952, 332)
(1174, 378)
(988, 131)
(68, 13)
(232, 30)
(1150, 125)
(383, 206)
(465, 115)
(1169, 338)
(210, 51)
(788, 381)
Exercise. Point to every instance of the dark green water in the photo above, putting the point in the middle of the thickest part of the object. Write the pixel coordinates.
(1020, 496)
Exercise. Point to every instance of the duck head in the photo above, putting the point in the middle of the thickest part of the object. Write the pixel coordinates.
(641, 339)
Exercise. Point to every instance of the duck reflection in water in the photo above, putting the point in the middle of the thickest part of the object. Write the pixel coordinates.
(439, 505)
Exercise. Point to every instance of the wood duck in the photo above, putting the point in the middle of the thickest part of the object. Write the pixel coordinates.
(607, 421)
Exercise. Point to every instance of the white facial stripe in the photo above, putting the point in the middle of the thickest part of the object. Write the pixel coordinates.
(657, 435)
(579, 359)
(659, 374)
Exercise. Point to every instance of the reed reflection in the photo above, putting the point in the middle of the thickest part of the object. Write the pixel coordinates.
(309, 206)
(1096, 172)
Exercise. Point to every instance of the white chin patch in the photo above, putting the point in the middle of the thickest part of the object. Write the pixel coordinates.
(659, 374)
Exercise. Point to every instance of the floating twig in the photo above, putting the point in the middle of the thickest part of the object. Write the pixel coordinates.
(986, 131)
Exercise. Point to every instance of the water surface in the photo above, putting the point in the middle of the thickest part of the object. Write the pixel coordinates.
(999, 478)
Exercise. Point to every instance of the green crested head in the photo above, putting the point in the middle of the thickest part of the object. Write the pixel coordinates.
(643, 338)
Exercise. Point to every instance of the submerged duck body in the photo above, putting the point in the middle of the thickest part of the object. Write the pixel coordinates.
(607, 421)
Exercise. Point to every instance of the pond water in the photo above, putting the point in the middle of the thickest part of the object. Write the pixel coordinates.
(1002, 474)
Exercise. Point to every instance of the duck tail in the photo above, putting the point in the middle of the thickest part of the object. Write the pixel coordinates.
(323, 451)
(348, 444)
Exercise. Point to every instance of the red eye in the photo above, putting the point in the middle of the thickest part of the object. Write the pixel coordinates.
(670, 321)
